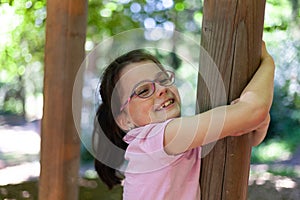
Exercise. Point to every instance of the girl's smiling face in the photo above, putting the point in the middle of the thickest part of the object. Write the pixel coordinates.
(163, 104)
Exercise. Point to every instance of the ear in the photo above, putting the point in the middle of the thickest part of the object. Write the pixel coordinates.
(124, 122)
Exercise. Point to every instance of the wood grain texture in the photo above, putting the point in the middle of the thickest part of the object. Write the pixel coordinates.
(232, 35)
(60, 144)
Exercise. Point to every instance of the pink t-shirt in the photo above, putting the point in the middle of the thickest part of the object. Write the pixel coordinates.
(152, 174)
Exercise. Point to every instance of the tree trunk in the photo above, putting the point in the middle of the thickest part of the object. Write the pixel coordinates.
(231, 34)
(60, 144)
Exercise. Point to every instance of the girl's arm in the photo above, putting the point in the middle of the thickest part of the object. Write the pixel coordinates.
(259, 134)
(249, 112)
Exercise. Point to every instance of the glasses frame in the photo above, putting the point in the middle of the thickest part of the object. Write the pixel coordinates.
(156, 80)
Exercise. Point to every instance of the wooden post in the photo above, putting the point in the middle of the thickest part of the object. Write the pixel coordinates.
(60, 145)
(231, 34)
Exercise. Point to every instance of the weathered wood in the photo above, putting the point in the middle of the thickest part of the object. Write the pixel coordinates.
(60, 144)
(231, 34)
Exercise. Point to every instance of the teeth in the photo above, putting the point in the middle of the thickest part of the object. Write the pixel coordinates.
(167, 103)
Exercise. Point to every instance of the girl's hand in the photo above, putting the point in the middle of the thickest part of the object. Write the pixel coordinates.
(264, 53)
(258, 135)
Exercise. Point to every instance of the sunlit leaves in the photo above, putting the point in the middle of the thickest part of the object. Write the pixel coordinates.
(117, 16)
(198, 17)
(272, 151)
(179, 6)
(278, 14)
(22, 44)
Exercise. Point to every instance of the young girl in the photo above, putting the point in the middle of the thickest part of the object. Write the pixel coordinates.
(140, 113)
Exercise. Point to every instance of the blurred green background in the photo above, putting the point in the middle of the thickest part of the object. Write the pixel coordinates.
(22, 41)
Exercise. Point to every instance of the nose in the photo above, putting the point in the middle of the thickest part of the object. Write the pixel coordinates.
(161, 90)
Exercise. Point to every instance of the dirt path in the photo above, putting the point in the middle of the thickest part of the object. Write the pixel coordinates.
(264, 185)
(271, 187)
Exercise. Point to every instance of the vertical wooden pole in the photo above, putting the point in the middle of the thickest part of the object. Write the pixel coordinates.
(64, 52)
(231, 34)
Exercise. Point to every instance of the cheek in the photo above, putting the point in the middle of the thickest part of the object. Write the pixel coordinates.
(140, 112)
(176, 93)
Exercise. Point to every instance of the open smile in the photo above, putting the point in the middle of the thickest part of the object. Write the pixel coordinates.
(166, 104)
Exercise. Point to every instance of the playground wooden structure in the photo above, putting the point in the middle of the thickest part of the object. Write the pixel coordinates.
(231, 34)
(60, 145)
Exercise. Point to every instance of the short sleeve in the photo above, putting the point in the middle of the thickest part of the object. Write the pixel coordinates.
(145, 152)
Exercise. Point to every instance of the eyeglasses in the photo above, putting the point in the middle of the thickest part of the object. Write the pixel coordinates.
(146, 88)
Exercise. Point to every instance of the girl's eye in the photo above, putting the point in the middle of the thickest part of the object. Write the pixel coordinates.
(163, 78)
(143, 90)
(164, 81)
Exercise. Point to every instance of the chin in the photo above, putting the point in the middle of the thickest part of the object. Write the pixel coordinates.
(173, 114)
(164, 115)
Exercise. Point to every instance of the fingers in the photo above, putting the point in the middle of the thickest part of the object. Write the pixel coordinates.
(235, 101)
(260, 132)
(264, 52)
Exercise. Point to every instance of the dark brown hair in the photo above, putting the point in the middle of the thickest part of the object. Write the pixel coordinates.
(105, 126)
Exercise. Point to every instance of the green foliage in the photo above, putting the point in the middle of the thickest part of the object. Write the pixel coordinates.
(284, 132)
(21, 52)
(278, 15)
(107, 18)
(270, 151)
(285, 171)
(285, 115)
(85, 155)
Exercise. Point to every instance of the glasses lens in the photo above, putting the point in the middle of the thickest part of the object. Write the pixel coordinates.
(165, 78)
(144, 89)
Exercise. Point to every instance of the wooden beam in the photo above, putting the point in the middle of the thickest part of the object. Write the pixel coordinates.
(231, 34)
(60, 145)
